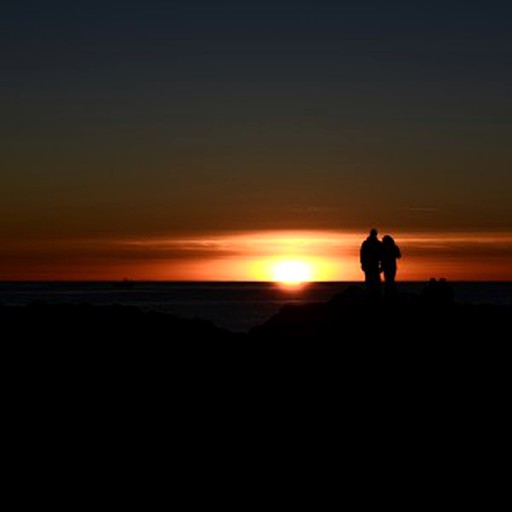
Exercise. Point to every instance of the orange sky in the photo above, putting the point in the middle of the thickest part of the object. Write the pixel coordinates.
(172, 140)
(247, 256)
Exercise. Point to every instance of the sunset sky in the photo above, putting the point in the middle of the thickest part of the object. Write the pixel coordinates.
(212, 140)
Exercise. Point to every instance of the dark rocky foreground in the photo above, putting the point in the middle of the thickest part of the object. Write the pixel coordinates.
(425, 328)
(353, 319)
(414, 389)
(106, 324)
(350, 320)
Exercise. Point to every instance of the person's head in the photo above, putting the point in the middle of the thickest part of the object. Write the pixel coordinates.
(388, 240)
(373, 233)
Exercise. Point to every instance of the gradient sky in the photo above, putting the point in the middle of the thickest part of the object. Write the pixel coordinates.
(159, 122)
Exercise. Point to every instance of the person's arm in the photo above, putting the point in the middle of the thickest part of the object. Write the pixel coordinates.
(398, 253)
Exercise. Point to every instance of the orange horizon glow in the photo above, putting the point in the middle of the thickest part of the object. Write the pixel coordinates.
(292, 272)
(255, 256)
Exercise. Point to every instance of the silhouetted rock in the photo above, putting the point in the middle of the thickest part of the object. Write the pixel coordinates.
(323, 366)
(107, 352)
(349, 318)
(352, 295)
(352, 317)
(108, 324)
(438, 293)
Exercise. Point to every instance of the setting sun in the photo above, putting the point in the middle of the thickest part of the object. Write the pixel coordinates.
(292, 272)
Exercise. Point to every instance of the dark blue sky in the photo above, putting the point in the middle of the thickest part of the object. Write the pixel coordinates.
(163, 117)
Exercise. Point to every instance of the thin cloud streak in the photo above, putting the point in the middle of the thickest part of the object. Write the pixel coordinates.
(269, 242)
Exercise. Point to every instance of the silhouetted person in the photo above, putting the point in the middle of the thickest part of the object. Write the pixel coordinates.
(370, 255)
(390, 253)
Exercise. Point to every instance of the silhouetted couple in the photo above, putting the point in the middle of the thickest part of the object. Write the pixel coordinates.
(379, 257)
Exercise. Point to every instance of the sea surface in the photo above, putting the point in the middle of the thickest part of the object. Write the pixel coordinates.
(235, 306)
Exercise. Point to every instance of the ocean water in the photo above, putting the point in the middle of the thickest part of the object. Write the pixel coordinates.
(235, 306)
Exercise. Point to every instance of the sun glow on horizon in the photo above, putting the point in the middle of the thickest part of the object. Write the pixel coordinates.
(292, 272)
(267, 256)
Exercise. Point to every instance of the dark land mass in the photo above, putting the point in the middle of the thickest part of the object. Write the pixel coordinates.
(425, 327)
(350, 320)
(418, 383)
(353, 318)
